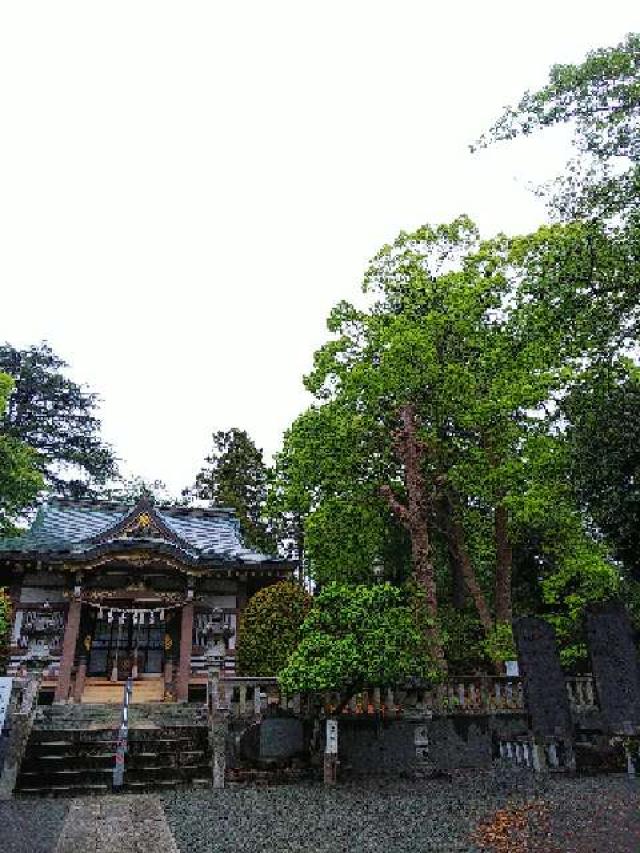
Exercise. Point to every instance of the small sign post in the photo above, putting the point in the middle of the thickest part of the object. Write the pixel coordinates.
(331, 753)
(123, 737)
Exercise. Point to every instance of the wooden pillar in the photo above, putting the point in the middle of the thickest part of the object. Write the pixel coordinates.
(186, 642)
(81, 677)
(71, 630)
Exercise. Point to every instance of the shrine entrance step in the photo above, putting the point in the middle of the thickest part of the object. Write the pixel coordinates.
(73, 753)
(104, 692)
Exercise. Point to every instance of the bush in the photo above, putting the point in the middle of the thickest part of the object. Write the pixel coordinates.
(270, 628)
(359, 636)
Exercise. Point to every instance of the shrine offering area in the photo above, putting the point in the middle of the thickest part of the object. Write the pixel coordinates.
(458, 813)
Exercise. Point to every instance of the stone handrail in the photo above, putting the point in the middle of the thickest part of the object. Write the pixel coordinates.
(249, 697)
(581, 692)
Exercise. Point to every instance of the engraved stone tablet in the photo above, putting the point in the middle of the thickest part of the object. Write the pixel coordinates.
(614, 662)
(545, 691)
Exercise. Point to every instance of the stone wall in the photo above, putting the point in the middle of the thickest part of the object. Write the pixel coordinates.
(410, 746)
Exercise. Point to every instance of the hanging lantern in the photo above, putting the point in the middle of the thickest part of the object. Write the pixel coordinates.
(162, 615)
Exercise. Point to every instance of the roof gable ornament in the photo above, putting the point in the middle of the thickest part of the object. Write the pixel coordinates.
(142, 522)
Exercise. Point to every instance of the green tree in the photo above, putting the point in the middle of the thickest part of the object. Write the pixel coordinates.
(439, 400)
(604, 441)
(269, 628)
(356, 637)
(327, 478)
(20, 479)
(235, 475)
(600, 97)
(56, 417)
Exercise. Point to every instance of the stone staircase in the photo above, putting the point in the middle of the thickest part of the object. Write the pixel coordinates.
(71, 750)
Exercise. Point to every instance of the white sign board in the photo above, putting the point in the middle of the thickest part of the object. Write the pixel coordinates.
(5, 696)
(332, 737)
(512, 668)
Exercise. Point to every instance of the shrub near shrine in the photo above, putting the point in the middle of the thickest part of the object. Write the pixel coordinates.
(270, 628)
(357, 637)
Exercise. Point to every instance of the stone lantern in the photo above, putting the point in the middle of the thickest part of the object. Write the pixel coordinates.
(218, 635)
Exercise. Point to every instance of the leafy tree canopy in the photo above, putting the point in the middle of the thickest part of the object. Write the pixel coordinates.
(604, 441)
(56, 417)
(601, 98)
(235, 475)
(270, 628)
(20, 479)
(479, 340)
(355, 637)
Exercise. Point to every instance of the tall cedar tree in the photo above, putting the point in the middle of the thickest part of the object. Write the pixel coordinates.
(234, 475)
(56, 417)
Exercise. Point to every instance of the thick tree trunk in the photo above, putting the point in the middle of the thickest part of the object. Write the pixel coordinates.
(415, 518)
(504, 563)
(458, 544)
(458, 586)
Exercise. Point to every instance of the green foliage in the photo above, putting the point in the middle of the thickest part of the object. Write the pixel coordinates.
(56, 417)
(499, 646)
(463, 640)
(604, 443)
(234, 475)
(600, 97)
(357, 636)
(5, 629)
(20, 480)
(327, 476)
(269, 629)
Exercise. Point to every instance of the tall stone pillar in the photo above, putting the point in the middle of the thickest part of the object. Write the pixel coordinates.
(71, 630)
(186, 642)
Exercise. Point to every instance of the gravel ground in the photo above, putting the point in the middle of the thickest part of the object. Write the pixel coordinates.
(535, 815)
(586, 815)
(31, 825)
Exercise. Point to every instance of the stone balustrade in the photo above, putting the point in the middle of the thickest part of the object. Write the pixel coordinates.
(581, 692)
(252, 696)
(524, 751)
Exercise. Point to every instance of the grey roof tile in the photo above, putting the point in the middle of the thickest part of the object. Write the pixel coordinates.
(62, 525)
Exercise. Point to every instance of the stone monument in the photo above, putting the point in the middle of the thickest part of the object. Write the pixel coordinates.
(545, 692)
(614, 663)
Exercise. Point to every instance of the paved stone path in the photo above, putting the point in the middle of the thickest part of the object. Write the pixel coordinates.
(116, 824)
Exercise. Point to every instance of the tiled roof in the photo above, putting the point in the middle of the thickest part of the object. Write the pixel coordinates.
(78, 527)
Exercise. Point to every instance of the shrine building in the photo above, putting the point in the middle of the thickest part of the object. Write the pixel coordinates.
(104, 591)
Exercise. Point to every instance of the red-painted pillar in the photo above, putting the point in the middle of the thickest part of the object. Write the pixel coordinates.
(186, 642)
(71, 631)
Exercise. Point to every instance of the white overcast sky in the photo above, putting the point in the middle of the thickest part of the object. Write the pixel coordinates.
(187, 188)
